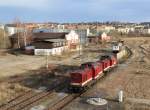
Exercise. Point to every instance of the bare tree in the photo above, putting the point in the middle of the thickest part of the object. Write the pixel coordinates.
(18, 26)
(25, 35)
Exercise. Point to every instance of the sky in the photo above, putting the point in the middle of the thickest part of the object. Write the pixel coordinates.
(74, 10)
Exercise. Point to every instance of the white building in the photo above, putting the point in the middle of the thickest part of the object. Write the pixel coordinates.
(72, 37)
(146, 31)
(125, 29)
(109, 28)
(105, 37)
(2, 26)
(61, 26)
(12, 30)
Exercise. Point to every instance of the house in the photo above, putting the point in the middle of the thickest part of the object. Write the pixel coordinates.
(139, 29)
(146, 30)
(93, 39)
(105, 37)
(125, 30)
(109, 28)
(73, 40)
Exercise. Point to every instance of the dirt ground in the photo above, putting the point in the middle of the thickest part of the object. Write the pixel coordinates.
(11, 65)
(133, 77)
(24, 72)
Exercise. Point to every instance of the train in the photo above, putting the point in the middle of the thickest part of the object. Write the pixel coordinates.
(117, 46)
(90, 72)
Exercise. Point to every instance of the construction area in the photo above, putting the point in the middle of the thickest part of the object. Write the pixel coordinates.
(30, 82)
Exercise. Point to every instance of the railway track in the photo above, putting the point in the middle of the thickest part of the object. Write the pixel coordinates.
(31, 98)
(70, 97)
(17, 78)
(64, 101)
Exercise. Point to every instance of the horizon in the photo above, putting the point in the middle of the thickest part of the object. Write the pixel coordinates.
(40, 22)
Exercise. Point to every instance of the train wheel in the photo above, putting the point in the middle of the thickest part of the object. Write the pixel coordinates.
(84, 88)
(70, 89)
(105, 73)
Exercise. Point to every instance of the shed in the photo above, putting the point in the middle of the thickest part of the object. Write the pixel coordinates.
(49, 43)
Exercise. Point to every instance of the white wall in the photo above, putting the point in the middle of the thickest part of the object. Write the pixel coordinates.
(11, 30)
(72, 37)
(53, 51)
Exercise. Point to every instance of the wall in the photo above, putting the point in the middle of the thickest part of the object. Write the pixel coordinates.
(53, 51)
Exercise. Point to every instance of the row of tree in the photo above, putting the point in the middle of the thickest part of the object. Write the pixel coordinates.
(20, 37)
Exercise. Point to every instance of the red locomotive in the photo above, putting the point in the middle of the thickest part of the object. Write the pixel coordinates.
(90, 72)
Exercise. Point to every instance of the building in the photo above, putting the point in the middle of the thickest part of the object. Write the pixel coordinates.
(125, 30)
(50, 47)
(146, 30)
(73, 40)
(48, 35)
(2, 26)
(93, 39)
(82, 35)
(139, 29)
(13, 29)
(109, 28)
(20, 40)
(105, 37)
(49, 43)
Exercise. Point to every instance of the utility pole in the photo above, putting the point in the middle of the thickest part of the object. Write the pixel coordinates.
(47, 54)
(46, 61)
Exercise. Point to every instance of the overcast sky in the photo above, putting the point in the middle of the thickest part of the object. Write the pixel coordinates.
(74, 10)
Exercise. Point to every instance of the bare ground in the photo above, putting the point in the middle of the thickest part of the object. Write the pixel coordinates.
(133, 77)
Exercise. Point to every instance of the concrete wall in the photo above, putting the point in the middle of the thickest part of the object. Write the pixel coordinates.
(53, 51)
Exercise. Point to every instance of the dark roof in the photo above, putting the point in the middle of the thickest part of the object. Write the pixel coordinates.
(55, 40)
(93, 36)
(42, 36)
(11, 25)
(20, 34)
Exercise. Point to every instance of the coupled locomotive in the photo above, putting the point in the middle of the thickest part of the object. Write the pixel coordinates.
(90, 72)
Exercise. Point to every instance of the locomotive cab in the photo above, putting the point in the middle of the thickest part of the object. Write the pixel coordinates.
(80, 79)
